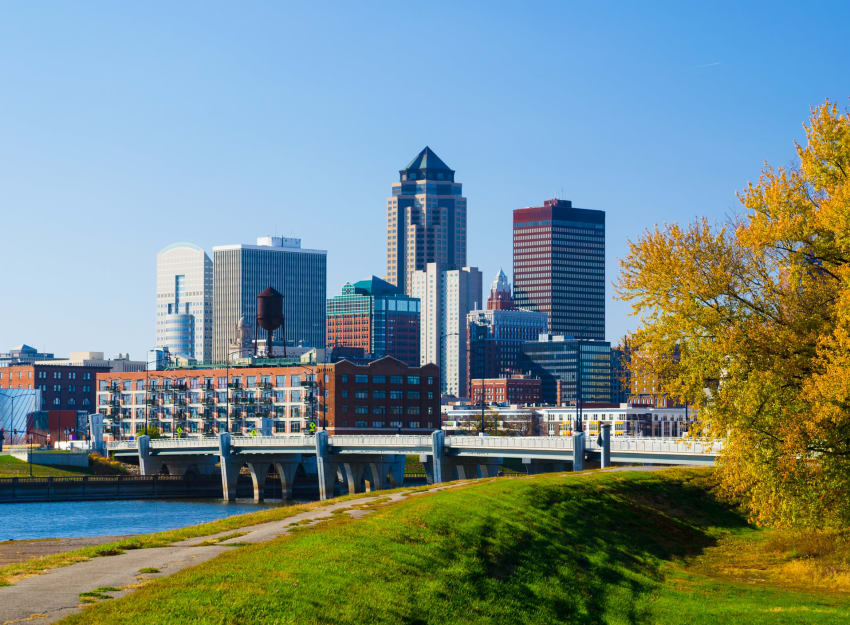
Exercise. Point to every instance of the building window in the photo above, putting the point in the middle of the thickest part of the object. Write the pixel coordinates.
(378, 424)
(379, 379)
(396, 379)
(361, 424)
(361, 379)
(413, 379)
(343, 378)
(361, 410)
(413, 410)
(361, 394)
(413, 394)
(294, 427)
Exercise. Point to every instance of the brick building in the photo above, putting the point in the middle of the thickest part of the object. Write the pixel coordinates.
(516, 390)
(376, 316)
(384, 397)
(381, 397)
(208, 401)
(62, 386)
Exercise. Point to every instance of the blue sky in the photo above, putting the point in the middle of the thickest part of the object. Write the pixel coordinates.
(127, 126)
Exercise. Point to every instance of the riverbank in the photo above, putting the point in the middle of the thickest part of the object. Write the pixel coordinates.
(601, 547)
(17, 551)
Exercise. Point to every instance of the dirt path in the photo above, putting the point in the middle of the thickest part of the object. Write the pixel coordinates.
(14, 551)
(48, 597)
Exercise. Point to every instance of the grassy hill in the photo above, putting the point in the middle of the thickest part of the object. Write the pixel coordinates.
(12, 467)
(623, 547)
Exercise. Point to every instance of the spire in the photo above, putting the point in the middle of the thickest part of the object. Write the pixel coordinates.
(500, 293)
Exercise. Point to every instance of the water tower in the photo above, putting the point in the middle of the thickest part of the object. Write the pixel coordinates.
(270, 316)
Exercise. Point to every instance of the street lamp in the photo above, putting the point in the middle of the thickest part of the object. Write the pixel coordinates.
(579, 382)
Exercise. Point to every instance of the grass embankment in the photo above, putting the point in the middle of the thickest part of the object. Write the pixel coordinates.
(637, 547)
(98, 465)
(12, 467)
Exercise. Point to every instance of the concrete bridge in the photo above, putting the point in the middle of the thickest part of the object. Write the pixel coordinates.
(377, 462)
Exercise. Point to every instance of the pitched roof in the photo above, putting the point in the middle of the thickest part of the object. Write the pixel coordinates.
(426, 159)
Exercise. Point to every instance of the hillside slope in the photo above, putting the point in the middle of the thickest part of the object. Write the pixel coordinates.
(618, 547)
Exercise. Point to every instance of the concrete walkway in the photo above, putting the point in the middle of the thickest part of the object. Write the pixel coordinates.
(48, 597)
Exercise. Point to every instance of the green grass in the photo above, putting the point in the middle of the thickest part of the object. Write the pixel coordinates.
(12, 467)
(148, 569)
(11, 573)
(630, 547)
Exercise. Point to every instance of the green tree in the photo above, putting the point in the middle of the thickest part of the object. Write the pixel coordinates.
(759, 310)
(153, 432)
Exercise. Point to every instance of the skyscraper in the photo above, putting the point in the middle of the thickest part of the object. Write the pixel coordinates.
(243, 271)
(426, 220)
(377, 317)
(559, 266)
(184, 293)
(446, 297)
(496, 335)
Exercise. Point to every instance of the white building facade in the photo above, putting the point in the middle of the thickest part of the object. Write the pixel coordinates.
(446, 297)
(243, 271)
(184, 297)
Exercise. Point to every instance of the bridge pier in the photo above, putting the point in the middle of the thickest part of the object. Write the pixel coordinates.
(325, 467)
(286, 470)
(259, 469)
(436, 466)
(578, 451)
(534, 467)
(379, 472)
(230, 466)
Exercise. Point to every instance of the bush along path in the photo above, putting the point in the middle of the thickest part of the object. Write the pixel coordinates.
(58, 592)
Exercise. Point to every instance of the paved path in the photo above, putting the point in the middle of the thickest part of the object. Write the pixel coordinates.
(48, 597)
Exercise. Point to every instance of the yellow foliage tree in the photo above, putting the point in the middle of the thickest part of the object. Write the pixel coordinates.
(759, 310)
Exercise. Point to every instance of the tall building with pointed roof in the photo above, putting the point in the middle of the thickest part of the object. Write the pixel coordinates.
(500, 293)
(426, 220)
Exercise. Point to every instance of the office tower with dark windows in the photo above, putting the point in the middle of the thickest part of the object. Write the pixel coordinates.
(376, 316)
(559, 266)
(241, 272)
(426, 220)
(184, 294)
(556, 360)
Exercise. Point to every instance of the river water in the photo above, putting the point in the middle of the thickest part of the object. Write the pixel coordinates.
(109, 518)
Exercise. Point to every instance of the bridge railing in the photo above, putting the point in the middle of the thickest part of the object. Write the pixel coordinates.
(298, 440)
(382, 441)
(660, 445)
(511, 442)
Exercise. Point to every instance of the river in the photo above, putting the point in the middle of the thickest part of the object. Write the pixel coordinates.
(69, 519)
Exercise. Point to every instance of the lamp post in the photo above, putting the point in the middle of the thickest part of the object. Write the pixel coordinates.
(579, 382)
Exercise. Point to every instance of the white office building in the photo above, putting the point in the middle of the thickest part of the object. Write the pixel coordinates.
(244, 271)
(184, 296)
(446, 297)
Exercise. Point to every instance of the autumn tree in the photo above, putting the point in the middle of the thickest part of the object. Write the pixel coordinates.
(759, 310)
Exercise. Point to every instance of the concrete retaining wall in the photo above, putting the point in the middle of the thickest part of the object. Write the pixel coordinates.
(54, 459)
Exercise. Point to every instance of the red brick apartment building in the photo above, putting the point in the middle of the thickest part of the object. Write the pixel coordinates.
(515, 390)
(385, 396)
(63, 387)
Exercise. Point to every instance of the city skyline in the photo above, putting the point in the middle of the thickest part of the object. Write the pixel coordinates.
(224, 131)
